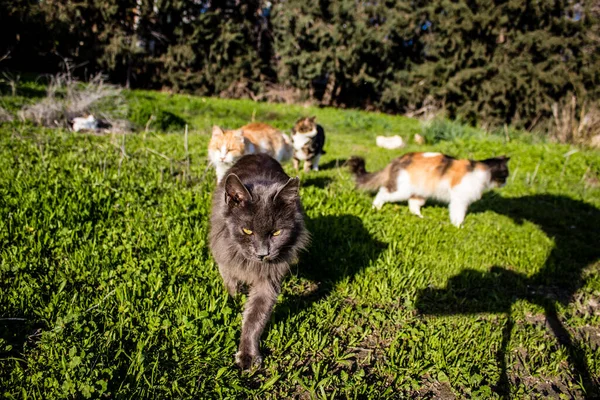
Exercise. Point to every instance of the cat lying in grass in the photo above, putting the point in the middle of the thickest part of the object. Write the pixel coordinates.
(417, 177)
(228, 146)
(257, 231)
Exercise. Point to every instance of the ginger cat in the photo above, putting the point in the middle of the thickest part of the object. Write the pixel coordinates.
(418, 176)
(228, 146)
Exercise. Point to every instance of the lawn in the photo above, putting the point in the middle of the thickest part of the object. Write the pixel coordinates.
(108, 289)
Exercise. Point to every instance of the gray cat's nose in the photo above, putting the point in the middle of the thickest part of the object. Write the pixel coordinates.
(262, 253)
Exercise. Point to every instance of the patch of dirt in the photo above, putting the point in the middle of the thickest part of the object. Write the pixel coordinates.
(350, 301)
(590, 334)
(535, 319)
(376, 342)
(432, 389)
(586, 305)
(301, 394)
(308, 288)
(541, 386)
(301, 287)
(540, 320)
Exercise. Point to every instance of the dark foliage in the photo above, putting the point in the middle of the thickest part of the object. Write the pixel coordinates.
(486, 61)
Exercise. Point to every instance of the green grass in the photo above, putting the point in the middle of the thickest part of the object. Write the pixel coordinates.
(107, 287)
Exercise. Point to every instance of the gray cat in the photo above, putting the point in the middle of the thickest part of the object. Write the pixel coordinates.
(257, 230)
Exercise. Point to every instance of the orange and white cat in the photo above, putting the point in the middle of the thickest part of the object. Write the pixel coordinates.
(227, 146)
(419, 176)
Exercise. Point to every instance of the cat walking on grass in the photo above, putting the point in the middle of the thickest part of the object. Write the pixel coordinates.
(416, 177)
(228, 146)
(257, 231)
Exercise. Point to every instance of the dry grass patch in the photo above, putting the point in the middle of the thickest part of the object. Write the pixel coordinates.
(67, 98)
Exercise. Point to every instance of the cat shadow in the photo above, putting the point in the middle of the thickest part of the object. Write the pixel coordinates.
(341, 247)
(331, 164)
(320, 182)
(573, 225)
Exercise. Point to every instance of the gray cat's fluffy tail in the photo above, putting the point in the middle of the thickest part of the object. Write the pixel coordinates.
(365, 180)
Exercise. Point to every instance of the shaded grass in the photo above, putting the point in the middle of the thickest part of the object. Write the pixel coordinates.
(107, 286)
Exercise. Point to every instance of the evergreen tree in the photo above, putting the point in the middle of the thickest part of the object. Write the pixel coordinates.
(486, 61)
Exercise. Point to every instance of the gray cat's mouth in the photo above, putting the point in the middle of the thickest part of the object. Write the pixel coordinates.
(266, 259)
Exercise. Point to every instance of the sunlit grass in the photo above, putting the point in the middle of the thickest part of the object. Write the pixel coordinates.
(107, 287)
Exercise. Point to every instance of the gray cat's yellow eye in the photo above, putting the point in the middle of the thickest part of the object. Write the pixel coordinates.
(247, 231)
(276, 233)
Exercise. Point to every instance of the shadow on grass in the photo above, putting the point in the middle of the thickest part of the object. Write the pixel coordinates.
(574, 226)
(17, 336)
(341, 247)
(320, 182)
(337, 163)
(17, 332)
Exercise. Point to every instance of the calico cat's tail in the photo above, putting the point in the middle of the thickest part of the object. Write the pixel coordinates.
(365, 180)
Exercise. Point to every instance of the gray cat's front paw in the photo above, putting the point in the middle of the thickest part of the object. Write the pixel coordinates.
(247, 361)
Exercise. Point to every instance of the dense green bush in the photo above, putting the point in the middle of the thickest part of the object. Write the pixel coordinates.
(488, 62)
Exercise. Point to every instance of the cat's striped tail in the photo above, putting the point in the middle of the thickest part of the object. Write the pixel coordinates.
(365, 180)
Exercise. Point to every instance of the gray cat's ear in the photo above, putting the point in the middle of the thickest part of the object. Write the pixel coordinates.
(289, 192)
(236, 193)
(216, 131)
(313, 118)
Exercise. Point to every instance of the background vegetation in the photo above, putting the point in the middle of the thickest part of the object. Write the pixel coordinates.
(107, 288)
(489, 62)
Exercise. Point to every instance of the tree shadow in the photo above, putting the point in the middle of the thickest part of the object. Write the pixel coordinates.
(574, 226)
(341, 247)
(331, 164)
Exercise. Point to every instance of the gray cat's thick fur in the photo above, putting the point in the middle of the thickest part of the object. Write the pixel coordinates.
(259, 197)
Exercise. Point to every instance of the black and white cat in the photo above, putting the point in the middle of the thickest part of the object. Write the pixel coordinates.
(257, 231)
(308, 139)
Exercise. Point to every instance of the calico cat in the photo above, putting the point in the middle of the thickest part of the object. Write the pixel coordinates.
(418, 176)
(308, 141)
(257, 231)
(227, 146)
